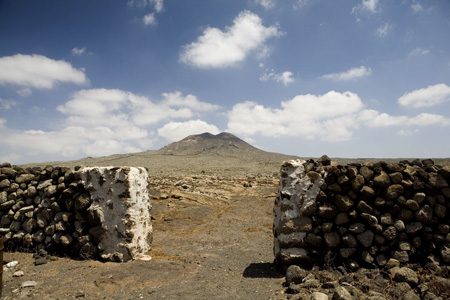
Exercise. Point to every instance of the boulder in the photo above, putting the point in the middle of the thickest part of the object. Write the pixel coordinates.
(404, 275)
(367, 193)
(365, 238)
(382, 179)
(341, 293)
(390, 233)
(425, 214)
(364, 207)
(344, 203)
(437, 181)
(332, 239)
(357, 182)
(394, 191)
(366, 173)
(24, 178)
(295, 274)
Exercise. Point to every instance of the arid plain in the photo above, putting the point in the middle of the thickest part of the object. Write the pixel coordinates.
(212, 200)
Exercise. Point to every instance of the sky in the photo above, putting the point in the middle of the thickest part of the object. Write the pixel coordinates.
(349, 78)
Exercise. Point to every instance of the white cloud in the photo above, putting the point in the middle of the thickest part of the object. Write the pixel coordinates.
(429, 96)
(250, 140)
(330, 117)
(149, 19)
(69, 142)
(112, 106)
(175, 131)
(24, 92)
(352, 74)
(7, 104)
(157, 4)
(284, 78)
(78, 51)
(218, 49)
(425, 119)
(416, 6)
(300, 3)
(37, 71)
(107, 121)
(384, 30)
(176, 99)
(370, 5)
(373, 118)
(267, 4)
(365, 7)
(419, 51)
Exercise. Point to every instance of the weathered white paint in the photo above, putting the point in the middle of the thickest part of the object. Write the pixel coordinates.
(295, 195)
(120, 196)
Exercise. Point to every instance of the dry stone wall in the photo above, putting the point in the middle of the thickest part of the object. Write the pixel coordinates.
(85, 212)
(362, 213)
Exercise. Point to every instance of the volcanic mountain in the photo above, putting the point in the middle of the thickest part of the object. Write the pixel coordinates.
(223, 154)
(208, 143)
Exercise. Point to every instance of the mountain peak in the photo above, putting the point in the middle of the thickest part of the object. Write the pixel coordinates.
(208, 143)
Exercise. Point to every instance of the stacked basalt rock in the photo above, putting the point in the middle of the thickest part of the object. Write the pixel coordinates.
(366, 213)
(46, 209)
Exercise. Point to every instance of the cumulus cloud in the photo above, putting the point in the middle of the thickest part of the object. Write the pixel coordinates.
(311, 116)
(176, 99)
(7, 104)
(78, 51)
(373, 118)
(429, 96)
(284, 78)
(38, 71)
(68, 142)
(384, 30)
(352, 74)
(108, 121)
(330, 117)
(218, 49)
(175, 131)
(113, 105)
(267, 4)
(149, 19)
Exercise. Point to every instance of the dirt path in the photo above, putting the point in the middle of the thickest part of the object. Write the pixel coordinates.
(212, 240)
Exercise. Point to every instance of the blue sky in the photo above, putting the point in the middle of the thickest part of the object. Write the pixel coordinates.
(366, 78)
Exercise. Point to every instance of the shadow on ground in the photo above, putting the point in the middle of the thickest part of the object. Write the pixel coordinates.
(262, 270)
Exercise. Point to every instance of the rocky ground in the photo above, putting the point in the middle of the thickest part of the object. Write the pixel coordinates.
(213, 240)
